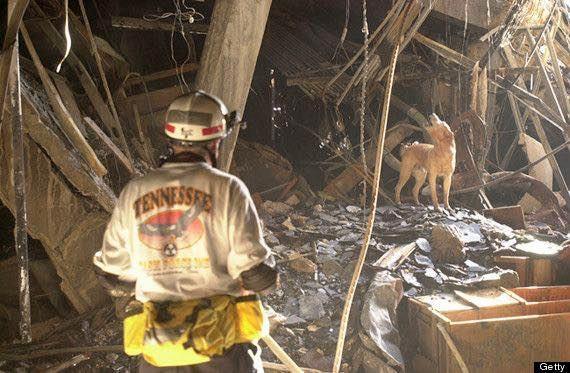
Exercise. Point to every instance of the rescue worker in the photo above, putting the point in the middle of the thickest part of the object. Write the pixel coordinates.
(188, 238)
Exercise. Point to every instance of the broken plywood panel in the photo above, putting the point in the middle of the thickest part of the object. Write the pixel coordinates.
(542, 171)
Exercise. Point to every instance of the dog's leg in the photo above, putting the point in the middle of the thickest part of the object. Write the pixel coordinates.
(433, 187)
(420, 175)
(446, 188)
(405, 173)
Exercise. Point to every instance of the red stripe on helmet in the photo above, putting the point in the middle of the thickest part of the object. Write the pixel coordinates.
(170, 128)
(211, 130)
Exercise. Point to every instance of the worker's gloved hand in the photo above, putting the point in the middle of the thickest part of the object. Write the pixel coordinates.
(261, 279)
(127, 306)
(115, 287)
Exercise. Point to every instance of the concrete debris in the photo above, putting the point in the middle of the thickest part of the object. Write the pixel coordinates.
(447, 244)
(311, 307)
(302, 264)
(293, 200)
(276, 208)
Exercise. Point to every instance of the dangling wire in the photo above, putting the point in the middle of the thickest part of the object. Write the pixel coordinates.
(365, 34)
(344, 30)
(183, 14)
(67, 36)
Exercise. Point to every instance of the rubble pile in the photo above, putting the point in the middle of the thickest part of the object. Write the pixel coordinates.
(316, 247)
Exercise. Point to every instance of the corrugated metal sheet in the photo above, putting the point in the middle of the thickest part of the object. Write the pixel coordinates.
(305, 67)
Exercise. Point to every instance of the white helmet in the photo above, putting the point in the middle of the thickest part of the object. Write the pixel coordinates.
(196, 117)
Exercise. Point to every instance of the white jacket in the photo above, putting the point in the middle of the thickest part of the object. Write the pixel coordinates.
(184, 231)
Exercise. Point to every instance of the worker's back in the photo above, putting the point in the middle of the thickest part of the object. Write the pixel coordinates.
(189, 230)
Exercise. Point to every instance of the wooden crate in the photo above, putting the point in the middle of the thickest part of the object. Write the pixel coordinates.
(495, 330)
(531, 271)
(543, 293)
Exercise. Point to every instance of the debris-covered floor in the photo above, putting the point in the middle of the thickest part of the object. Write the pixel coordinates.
(414, 251)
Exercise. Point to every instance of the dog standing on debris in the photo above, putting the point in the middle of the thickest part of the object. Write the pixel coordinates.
(429, 160)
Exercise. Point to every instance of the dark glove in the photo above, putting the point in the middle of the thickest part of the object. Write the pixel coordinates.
(259, 278)
(115, 287)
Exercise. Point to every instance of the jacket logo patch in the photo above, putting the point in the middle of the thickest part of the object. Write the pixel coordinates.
(173, 230)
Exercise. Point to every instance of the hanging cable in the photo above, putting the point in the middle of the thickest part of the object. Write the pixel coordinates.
(182, 15)
(67, 36)
(365, 34)
(344, 30)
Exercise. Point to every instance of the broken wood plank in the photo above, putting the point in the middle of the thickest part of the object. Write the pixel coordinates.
(109, 144)
(68, 163)
(144, 142)
(482, 99)
(563, 94)
(445, 51)
(509, 215)
(473, 84)
(190, 67)
(546, 79)
(143, 24)
(394, 257)
(68, 125)
(19, 177)
(68, 99)
(151, 102)
(110, 100)
(281, 354)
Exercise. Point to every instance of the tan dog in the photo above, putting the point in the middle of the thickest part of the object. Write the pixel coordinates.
(435, 160)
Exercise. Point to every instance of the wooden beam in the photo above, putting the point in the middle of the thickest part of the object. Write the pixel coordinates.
(109, 144)
(110, 100)
(18, 164)
(231, 50)
(546, 79)
(147, 151)
(190, 67)
(65, 119)
(445, 52)
(68, 99)
(143, 24)
(151, 102)
(562, 93)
